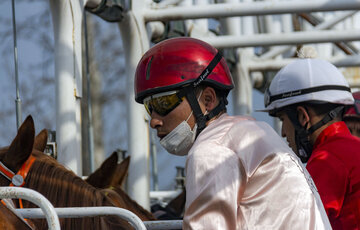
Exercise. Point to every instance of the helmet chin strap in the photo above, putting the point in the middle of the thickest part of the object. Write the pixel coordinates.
(200, 118)
(303, 145)
(327, 118)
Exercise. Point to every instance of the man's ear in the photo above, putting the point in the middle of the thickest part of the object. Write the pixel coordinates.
(209, 98)
(303, 115)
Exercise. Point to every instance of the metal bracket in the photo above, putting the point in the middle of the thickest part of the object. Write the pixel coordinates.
(109, 12)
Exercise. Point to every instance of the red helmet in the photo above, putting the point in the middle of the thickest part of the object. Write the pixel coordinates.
(176, 62)
(354, 111)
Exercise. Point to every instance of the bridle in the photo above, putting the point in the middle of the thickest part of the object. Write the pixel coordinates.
(17, 179)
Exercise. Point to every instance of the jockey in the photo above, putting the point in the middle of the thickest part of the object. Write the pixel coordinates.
(239, 172)
(309, 97)
(352, 116)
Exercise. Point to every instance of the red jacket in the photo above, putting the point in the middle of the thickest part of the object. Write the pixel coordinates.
(335, 168)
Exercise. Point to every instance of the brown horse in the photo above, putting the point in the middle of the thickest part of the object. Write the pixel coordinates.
(10, 221)
(60, 185)
(111, 175)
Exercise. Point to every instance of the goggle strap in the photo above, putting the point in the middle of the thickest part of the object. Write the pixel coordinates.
(301, 135)
(207, 71)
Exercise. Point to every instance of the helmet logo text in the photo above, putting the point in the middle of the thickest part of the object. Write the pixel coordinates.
(202, 77)
(291, 94)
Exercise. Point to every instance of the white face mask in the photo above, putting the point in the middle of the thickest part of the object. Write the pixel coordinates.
(180, 139)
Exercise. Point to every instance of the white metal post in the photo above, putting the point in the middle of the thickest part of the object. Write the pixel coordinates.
(242, 93)
(135, 43)
(67, 22)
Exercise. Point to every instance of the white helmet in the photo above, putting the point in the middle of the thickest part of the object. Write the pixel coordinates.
(307, 80)
(311, 81)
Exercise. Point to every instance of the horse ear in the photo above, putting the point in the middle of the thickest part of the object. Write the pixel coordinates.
(103, 175)
(121, 172)
(21, 147)
(41, 140)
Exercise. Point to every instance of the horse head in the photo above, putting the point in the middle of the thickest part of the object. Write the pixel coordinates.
(58, 184)
(20, 149)
(110, 173)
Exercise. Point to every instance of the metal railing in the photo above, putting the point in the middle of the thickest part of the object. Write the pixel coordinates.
(79, 212)
(52, 214)
(163, 224)
(28, 194)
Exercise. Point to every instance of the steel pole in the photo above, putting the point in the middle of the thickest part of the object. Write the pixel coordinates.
(89, 104)
(136, 43)
(17, 100)
(67, 21)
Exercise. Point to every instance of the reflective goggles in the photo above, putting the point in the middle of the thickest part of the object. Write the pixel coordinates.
(162, 103)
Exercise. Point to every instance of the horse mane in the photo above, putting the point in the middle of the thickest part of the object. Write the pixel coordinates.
(110, 176)
(59, 182)
(120, 197)
(64, 189)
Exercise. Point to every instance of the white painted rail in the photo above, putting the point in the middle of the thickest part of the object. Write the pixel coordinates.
(163, 224)
(79, 212)
(28, 194)
(292, 38)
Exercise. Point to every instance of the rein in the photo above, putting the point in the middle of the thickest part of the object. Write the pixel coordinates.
(17, 179)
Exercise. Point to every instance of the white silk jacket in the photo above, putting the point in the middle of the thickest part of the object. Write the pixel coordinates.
(240, 174)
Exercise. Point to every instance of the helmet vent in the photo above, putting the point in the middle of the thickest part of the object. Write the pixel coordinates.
(148, 65)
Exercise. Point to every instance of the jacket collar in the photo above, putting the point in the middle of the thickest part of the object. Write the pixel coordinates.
(331, 130)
